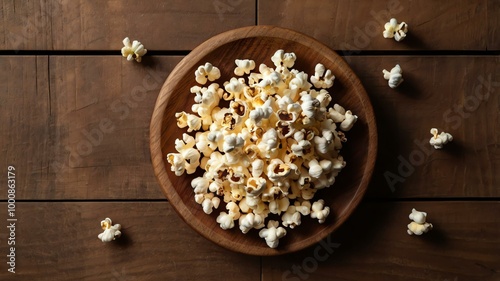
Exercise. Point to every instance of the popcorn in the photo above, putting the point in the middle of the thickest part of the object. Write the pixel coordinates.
(206, 72)
(226, 220)
(320, 211)
(419, 225)
(292, 216)
(111, 232)
(250, 221)
(322, 78)
(272, 233)
(188, 157)
(395, 30)
(244, 67)
(394, 77)
(438, 141)
(268, 149)
(134, 50)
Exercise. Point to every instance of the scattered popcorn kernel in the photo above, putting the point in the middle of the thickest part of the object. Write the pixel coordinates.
(418, 226)
(134, 50)
(394, 77)
(395, 30)
(439, 140)
(111, 232)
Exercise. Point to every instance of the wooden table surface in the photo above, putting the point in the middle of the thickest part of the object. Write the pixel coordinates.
(75, 126)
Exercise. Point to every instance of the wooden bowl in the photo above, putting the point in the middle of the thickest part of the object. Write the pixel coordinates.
(259, 43)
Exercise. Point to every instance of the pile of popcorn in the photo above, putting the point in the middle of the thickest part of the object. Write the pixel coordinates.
(269, 150)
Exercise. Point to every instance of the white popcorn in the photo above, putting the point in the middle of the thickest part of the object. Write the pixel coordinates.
(111, 232)
(299, 83)
(292, 217)
(277, 171)
(323, 78)
(320, 211)
(209, 203)
(188, 157)
(439, 140)
(234, 87)
(249, 221)
(279, 206)
(134, 50)
(226, 220)
(189, 120)
(394, 77)
(243, 67)
(395, 30)
(272, 233)
(232, 142)
(349, 120)
(257, 167)
(255, 186)
(200, 185)
(206, 71)
(303, 207)
(266, 142)
(262, 112)
(283, 60)
(418, 226)
(417, 216)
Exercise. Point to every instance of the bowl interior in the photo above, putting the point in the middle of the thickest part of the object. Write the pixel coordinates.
(260, 44)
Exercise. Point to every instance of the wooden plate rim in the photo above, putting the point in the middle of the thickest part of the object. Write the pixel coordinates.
(160, 169)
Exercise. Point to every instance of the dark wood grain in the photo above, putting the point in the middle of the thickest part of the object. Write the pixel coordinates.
(40, 136)
(260, 44)
(358, 25)
(58, 241)
(94, 25)
(493, 25)
(456, 94)
(26, 25)
(48, 101)
(84, 136)
(25, 117)
(373, 245)
(101, 125)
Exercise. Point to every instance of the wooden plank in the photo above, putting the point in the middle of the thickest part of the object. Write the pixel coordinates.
(493, 25)
(94, 25)
(358, 25)
(88, 137)
(101, 107)
(26, 25)
(58, 241)
(373, 245)
(63, 149)
(24, 111)
(456, 94)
